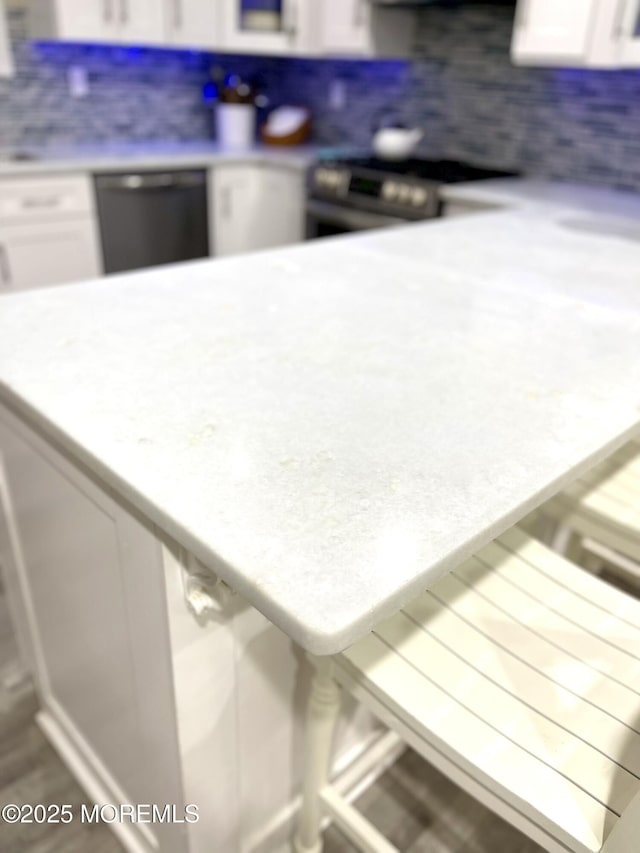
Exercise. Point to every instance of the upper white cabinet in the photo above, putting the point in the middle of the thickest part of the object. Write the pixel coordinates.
(282, 27)
(193, 23)
(140, 21)
(579, 33)
(630, 49)
(278, 27)
(360, 28)
(6, 59)
(111, 21)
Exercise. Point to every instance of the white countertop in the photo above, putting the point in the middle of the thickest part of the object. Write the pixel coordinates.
(552, 199)
(148, 155)
(331, 427)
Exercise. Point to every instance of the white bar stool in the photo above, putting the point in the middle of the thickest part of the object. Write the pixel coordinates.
(602, 508)
(518, 676)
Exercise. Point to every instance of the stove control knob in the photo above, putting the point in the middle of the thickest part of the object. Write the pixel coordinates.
(390, 191)
(404, 194)
(419, 197)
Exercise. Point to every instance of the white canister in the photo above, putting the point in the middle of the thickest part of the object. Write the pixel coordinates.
(236, 125)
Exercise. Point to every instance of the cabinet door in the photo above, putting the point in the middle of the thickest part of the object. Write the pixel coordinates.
(80, 20)
(547, 31)
(6, 59)
(345, 26)
(235, 194)
(48, 253)
(281, 28)
(630, 42)
(193, 23)
(256, 207)
(90, 574)
(280, 215)
(141, 21)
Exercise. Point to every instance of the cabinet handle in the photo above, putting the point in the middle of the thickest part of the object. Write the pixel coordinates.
(43, 201)
(522, 13)
(619, 22)
(358, 13)
(177, 14)
(5, 267)
(227, 207)
(124, 11)
(292, 25)
(107, 9)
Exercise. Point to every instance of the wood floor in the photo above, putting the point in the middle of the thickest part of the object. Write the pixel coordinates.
(419, 810)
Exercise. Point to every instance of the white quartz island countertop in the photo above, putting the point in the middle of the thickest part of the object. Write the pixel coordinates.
(331, 427)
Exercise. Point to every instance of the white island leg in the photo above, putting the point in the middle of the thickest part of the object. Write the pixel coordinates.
(322, 715)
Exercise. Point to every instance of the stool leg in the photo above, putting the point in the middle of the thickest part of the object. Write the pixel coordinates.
(322, 715)
(561, 540)
(568, 543)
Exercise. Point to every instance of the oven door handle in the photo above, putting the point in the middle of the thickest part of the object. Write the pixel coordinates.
(349, 217)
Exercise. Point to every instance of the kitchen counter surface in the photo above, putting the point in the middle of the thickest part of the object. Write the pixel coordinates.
(549, 198)
(121, 157)
(332, 426)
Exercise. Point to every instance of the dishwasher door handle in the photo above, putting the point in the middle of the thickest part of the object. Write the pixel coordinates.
(135, 182)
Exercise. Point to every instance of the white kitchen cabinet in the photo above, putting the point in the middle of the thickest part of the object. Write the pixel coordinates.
(145, 701)
(281, 210)
(48, 232)
(255, 207)
(193, 23)
(141, 22)
(630, 35)
(47, 253)
(359, 28)
(110, 21)
(93, 593)
(73, 20)
(575, 32)
(6, 57)
(288, 29)
(234, 200)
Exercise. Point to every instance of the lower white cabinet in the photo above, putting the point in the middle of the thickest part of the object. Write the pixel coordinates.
(91, 585)
(48, 232)
(146, 702)
(47, 253)
(255, 207)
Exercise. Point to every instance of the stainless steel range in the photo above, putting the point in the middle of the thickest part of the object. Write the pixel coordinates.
(362, 193)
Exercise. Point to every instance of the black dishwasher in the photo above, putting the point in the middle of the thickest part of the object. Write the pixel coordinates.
(152, 218)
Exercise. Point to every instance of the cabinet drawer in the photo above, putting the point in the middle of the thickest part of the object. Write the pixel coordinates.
(39, 254)
(26, 199)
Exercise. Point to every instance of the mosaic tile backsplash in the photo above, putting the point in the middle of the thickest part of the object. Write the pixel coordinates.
(460, 87)
(471, 102)
(134, 94)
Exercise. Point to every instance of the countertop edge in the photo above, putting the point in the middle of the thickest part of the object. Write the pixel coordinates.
(309, 637)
